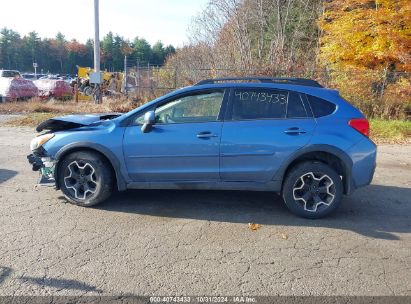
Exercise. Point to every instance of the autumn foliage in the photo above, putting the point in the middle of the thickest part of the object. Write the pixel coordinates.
(365, 34)
(360, 47)
(367, 47)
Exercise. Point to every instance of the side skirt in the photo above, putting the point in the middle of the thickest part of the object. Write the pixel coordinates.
(274, 186)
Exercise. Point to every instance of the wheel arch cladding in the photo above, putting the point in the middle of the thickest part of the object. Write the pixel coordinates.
(108, 155)
(332, 156)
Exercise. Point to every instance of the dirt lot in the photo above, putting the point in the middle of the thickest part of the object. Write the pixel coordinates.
(199, 243)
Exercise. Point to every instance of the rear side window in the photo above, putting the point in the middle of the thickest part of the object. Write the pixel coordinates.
(259, 104)
(295, 106)
(320, 106)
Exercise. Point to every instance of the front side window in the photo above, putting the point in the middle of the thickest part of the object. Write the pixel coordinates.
(201, 107)
(259, 104)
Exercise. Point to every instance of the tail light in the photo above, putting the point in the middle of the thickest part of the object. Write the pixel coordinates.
(361, 125)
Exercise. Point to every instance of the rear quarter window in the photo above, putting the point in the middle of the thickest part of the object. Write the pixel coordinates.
(320, 107)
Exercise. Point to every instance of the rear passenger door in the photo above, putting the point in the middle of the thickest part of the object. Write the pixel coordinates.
(262, 128)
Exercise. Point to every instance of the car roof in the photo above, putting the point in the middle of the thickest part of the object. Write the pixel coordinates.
(310, 90)
(264, 79)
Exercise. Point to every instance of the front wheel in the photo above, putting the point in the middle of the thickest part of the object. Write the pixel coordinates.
(85, 178)
(312, 190)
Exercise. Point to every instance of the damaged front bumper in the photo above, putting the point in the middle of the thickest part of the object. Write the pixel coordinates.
(46, 166)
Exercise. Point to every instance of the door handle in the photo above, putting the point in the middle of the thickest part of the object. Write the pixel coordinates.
(206, 134)
(294, 131)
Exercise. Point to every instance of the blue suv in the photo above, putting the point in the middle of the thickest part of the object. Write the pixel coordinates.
(285, 135)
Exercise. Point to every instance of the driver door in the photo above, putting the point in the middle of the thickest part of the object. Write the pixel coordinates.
(184, 144)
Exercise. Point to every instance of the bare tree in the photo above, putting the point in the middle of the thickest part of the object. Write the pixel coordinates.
(252, 36)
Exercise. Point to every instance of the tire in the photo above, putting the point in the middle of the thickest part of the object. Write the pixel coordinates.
(88, 91)
(85, 178)
(312, 190)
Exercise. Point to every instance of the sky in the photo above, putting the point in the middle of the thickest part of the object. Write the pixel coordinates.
(165, 20)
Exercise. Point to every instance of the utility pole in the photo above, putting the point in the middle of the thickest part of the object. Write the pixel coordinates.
(138, 77)
(125, 75)
(35, 65)
(97, 76)
(96, 37)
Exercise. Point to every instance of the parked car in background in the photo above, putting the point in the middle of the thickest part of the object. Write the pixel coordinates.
(9, 74)
(284, 135)
(54, 88)
(67, 78)
(50, 76)
(29, 76)
(14, 87)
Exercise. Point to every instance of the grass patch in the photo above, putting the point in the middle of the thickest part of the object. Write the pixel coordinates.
(36, 105)
(390, 131)
(37, 110)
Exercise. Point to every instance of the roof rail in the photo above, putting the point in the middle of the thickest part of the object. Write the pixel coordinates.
(285, 80)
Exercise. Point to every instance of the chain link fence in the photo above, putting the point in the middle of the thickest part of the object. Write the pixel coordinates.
(377, 93)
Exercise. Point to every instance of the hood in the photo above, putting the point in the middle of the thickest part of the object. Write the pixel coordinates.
(73, 121)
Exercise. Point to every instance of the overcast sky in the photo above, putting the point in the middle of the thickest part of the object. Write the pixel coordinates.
(165, 20)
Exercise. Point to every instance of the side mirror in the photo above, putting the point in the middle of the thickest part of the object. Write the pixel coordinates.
(149, 120)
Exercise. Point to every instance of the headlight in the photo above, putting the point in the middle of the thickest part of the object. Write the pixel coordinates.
(38, 141)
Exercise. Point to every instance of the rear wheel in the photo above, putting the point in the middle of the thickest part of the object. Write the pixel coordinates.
(85, 178)
(312, 190)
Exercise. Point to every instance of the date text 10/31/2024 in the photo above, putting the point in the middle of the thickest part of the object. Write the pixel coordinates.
(203, 299)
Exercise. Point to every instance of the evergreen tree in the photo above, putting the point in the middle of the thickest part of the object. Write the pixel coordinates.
(57, 55)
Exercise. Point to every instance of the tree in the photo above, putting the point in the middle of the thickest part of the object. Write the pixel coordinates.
(371, 34)
(58, 47)
(57, 55)
(89, 57)
(32, 42)
(76, 52)
(270, 35)
(367, 45)
(118, 56)
(158, 53)
(126, 48)
(141, 50)
(107, 46)
(10, 45)
(169, 50)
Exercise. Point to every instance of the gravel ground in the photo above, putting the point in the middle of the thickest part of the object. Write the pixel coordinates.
(199, 243)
